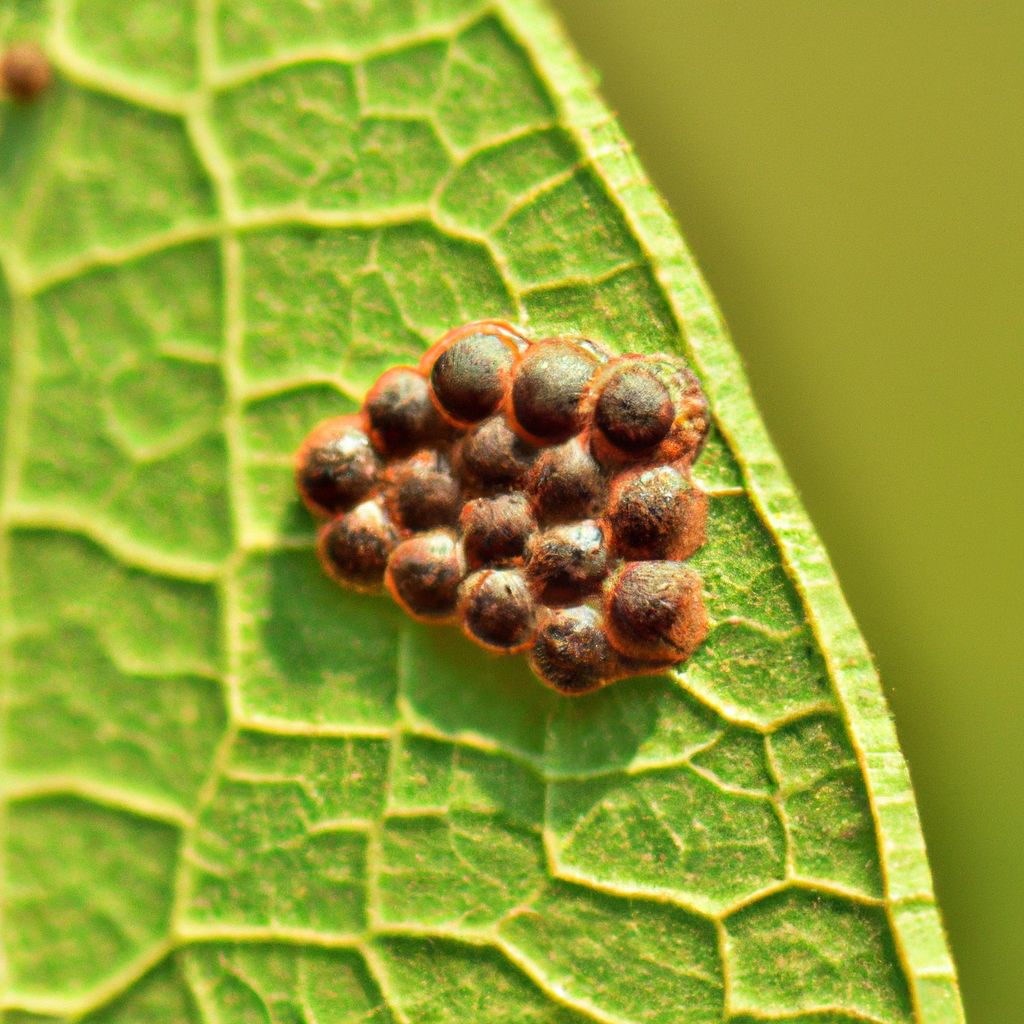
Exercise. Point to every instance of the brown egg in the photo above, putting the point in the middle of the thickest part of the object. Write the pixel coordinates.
(401, 414)
(548, 388)
(336, 466)
(654, 611)
(495, 531)
(566, 483)
(422, 492)
(497, 610)
(470, 370)
(572, 653)
(634, 409)
(424, 573)
(493, 458)
(567, 563)
(354, 548)
(657, 513)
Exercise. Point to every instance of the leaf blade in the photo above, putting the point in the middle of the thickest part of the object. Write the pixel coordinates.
(284, 875)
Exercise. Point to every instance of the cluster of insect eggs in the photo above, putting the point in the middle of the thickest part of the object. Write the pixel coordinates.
(536, 493)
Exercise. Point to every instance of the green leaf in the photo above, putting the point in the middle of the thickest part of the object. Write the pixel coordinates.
(234, 792)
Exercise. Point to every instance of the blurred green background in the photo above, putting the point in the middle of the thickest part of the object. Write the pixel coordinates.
(850, 175)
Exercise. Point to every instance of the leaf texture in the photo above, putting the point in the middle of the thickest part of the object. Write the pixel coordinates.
(235, 793)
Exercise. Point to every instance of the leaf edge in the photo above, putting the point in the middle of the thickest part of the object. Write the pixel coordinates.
(909, 894)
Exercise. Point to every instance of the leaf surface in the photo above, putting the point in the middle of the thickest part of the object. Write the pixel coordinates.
(233, 792)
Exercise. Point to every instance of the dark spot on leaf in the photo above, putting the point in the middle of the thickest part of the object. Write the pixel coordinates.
(24, 72)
